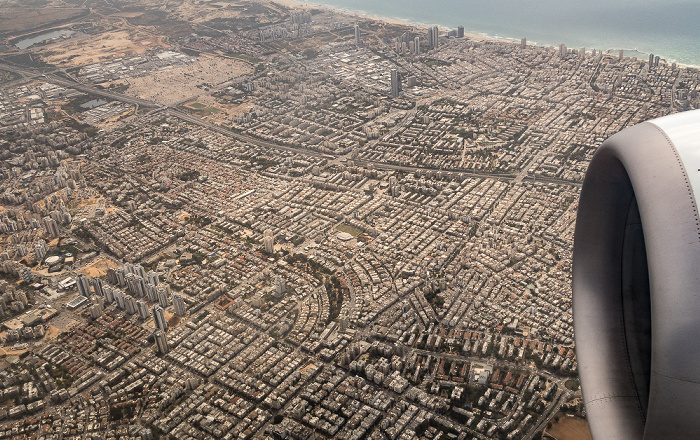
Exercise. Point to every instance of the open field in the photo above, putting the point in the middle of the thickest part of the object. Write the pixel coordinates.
(90, 201)
(572, 384)
(9, 351)
(88, 49)
(224, 108)
(218, 14)
(570, 428)
(34, 18)
(349, 229)
(181, 83)
(6, 76)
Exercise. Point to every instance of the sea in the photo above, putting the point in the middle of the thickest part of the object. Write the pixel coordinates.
(667, 28)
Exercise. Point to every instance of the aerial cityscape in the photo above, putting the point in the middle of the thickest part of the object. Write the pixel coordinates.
(238, 219)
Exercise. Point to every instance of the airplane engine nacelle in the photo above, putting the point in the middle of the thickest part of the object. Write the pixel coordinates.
(636, 282)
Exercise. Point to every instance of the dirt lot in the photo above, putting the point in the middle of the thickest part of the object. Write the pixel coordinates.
(88, 49)
(570, 428)
(225, 110)
(8, 351)
(180, 83)
(98, 268)
(91, 201)
(52, 333)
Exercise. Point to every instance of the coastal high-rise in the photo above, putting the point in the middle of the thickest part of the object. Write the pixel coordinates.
(436, 34)
(357, 35)
(460, 31)
(562, 50)
(416, 46)
(523, 43)
(395, 83)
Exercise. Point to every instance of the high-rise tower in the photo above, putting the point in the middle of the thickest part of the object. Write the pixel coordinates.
(395, 83)
(179, 305)
(159, 318)
(161, 342)
(269, 241)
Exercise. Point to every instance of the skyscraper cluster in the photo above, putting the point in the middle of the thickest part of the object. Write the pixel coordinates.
(653, 60)
(143, 287)
(83, 285)
(393, 186)
(433, 34)
(51, 227)
(563, 51)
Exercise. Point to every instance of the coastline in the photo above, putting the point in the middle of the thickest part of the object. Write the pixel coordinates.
(395, 21)
(468, 33)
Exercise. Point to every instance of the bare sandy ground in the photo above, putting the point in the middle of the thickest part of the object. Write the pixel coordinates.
(52, 333)
(91, 201)
(202, 10)
(98, 268)
(570, 428)
(32, 18)
(178, 84)
(89, 49)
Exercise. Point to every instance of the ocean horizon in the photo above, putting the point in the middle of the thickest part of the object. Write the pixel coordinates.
(669, 30)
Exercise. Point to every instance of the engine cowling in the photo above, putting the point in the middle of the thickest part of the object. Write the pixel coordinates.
(636, 282)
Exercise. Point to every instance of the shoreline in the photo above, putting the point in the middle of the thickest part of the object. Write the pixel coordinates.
(395, 21)
(469, 34)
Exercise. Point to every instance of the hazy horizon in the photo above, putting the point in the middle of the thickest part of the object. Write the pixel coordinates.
(666, 29)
